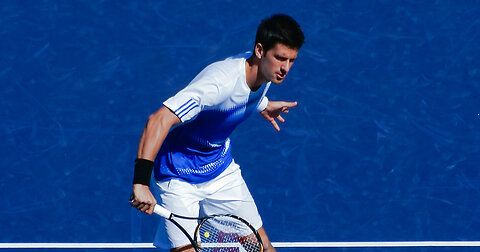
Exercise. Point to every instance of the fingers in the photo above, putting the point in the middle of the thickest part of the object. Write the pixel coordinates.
(288, 105)
(275, 125)
(143, 202)
(273, 111)
(144, 207)
(285, 106)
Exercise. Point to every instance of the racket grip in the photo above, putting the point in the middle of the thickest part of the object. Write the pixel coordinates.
(162, 211)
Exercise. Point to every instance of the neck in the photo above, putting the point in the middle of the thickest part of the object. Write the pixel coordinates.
(253, 76)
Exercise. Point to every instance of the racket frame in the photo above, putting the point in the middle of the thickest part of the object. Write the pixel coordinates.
(204, 219)
(161, 211)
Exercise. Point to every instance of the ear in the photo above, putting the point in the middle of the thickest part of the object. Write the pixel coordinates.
(259, 50)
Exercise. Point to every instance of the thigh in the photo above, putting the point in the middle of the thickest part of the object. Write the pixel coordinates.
(229, 194)
(180, 198)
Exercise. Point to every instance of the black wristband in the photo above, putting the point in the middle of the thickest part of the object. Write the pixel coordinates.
(143, 171)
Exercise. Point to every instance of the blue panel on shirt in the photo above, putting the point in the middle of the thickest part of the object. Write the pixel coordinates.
(199, 150)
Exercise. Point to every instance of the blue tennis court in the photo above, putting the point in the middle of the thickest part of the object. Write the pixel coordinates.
(384, 145)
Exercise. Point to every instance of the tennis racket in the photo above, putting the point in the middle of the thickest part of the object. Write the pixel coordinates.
(217, 233)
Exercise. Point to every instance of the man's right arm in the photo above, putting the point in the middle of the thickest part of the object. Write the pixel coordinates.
(154, 133)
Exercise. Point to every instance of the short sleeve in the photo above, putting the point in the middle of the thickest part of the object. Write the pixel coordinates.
(209, 88)
(184, 106)
(263, 104)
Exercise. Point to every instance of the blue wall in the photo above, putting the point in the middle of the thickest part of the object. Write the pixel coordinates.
(384, 144)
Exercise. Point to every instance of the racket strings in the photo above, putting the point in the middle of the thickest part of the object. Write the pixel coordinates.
(227, 234)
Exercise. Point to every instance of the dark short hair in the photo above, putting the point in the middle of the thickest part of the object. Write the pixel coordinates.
(281, 29)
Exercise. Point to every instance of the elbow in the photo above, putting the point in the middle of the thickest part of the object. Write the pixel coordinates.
(162, 118)
(153, 120)
(152, 117)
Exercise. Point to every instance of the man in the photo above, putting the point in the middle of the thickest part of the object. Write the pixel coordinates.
(187, 143)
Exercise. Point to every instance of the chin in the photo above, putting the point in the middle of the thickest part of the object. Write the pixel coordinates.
(277, 81)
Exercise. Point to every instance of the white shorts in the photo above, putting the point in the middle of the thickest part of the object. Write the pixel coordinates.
(226, 194)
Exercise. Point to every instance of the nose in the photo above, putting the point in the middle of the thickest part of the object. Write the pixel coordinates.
(286, 66)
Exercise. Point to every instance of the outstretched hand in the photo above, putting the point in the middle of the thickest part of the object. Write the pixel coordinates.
(273, 110)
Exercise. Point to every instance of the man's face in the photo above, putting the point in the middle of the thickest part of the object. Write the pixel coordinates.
(276, 63)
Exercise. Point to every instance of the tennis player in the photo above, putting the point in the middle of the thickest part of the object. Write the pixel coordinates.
(186, 142)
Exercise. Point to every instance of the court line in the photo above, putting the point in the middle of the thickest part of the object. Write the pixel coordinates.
(74, 245)
(376, 244)
(276, 244)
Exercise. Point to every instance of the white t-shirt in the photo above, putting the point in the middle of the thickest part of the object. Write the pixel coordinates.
(210, 108)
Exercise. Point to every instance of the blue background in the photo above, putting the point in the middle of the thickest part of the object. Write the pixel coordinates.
(383, 146)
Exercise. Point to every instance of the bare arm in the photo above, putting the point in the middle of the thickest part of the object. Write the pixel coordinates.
(153, 135)
(155, 132)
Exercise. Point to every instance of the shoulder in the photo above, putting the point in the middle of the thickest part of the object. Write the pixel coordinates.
(221, 74)
(216, 82)
(226, 69)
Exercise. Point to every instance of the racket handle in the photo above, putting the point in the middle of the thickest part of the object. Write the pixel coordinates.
(162, 211)
(157, 209)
